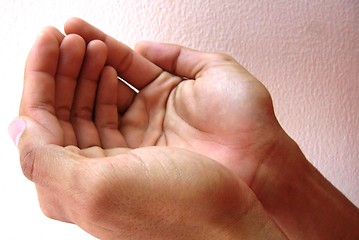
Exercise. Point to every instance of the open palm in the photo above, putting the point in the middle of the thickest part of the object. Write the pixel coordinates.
(202, 102)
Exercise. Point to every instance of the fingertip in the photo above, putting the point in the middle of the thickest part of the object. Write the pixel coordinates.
(99, 45)
(84, 29)
(16, 129)
(75, 37)
(97, 49)
(141, 46)
(53, 31)
(24, 144)
(72, 24)
(73, 43)
(44, 53)
(109, 71)
(148, 48)
(74, 19)
(45, 36)
(48, 37)
(107, 89)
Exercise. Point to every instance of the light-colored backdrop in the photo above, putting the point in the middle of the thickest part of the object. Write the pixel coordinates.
(306, 52)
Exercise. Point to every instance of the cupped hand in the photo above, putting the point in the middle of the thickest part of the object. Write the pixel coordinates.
(63, 90)
(70, 128)
(202, 102)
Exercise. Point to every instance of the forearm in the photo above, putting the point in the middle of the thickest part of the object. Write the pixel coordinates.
(302, 202)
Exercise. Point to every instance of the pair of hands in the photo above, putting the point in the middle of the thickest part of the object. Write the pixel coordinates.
(175, 161)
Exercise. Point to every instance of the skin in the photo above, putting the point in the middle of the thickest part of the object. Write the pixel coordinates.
(89, 170)
(223, 112)
(200, 116)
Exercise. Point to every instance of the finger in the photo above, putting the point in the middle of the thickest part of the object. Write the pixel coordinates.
(84, 100)
(41, 66)
(106, 115)
(178, 60)
(125, 97)
(72, 52)
(129, 65)
(39, 84)
(55, 32)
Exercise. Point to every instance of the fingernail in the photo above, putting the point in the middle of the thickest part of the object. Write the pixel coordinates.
(16, 128)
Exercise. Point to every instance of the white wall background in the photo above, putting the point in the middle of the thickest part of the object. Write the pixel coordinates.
(306, 52)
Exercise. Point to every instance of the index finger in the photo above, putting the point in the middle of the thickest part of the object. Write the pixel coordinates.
(41, 66)
(130, 66)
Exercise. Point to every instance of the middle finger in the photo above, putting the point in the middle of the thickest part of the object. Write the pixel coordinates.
(83, 106)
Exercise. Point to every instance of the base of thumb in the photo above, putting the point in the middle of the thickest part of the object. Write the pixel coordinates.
(32, 141)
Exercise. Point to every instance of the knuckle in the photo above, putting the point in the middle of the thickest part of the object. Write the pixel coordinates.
(63, 113)
(27, 161)
(102, 125)
(84, 112)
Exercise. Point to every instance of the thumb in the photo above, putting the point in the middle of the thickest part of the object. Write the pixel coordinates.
(38, 157)
(175, 59)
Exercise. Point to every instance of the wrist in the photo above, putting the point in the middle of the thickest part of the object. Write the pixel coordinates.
(301, 201)
(255, 224)
(239, 223)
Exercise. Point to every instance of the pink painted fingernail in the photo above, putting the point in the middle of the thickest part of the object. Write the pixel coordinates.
(16, 128)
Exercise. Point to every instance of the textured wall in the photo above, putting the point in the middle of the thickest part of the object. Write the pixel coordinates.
(306, 52)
